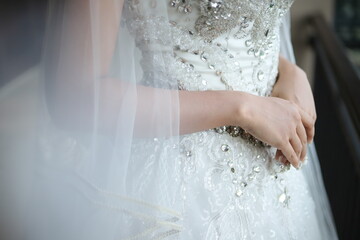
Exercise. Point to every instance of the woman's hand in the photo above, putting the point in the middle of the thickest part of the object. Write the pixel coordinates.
(294, 86)
(275, 121)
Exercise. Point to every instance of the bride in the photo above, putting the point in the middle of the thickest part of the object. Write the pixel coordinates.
(169, 119)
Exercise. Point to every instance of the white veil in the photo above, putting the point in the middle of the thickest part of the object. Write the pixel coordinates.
(81, 137)
(97, 111)
(311, 169)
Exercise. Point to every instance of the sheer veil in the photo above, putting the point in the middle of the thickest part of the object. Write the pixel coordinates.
(312, 169)
(89, 139)
(98, 111)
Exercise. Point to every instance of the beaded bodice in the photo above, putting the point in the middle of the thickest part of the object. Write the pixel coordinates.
(216, 44)
(219, 16)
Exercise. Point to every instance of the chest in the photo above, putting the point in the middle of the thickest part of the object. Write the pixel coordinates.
(256, 19)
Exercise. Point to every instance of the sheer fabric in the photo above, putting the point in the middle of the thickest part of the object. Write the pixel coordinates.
(90, 143)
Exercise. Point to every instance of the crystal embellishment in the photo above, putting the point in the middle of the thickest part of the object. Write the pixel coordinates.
(239, 132)
(284, 198)
(182, 5)
(239, 193)
(260, 75)
(220, 16)
(225, 148)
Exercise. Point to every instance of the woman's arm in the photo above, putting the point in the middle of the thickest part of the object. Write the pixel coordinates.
(89, 37)
(293, 85)
(272, 120)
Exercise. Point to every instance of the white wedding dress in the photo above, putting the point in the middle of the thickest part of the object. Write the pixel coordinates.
(231, 186)
(216, 184)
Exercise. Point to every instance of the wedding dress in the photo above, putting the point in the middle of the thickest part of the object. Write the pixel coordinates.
(216, 184)
(233, 188)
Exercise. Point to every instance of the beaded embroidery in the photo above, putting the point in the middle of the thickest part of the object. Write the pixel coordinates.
(239, 132)
(220, 16)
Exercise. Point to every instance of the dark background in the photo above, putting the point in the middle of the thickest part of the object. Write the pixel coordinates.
(22, 25)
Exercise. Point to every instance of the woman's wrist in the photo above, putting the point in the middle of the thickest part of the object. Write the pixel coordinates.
(210, 109)
(238, 103)
(284, 65)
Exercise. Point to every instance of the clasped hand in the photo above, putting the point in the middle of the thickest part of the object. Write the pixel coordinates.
(293, 85)
(286, 119)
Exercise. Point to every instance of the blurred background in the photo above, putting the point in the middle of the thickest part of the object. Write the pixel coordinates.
(326, 38)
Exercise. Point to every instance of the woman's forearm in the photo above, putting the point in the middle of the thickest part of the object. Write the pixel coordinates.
(285, 65)
(154, 112)
(197, 110)
(209, 109)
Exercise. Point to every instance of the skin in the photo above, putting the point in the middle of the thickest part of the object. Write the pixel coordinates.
(284, 120)
(294, 86)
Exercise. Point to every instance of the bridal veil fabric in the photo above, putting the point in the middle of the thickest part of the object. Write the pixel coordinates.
(89, 140)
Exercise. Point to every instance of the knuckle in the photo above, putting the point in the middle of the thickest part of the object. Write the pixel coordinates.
(313, 120)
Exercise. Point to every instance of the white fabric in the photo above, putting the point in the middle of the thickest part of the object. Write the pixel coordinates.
(83, 163)
(312, 171)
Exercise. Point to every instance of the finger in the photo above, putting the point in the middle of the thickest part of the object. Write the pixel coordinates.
(306, 119)
(283, 158)
(313, 133)
(297, 145)
(280, 157)
(290, 155)
(309, 123)
(303, 154)
(310, 135)
(300, 130)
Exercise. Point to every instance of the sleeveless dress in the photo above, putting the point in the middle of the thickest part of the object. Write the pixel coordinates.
(231, 187)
